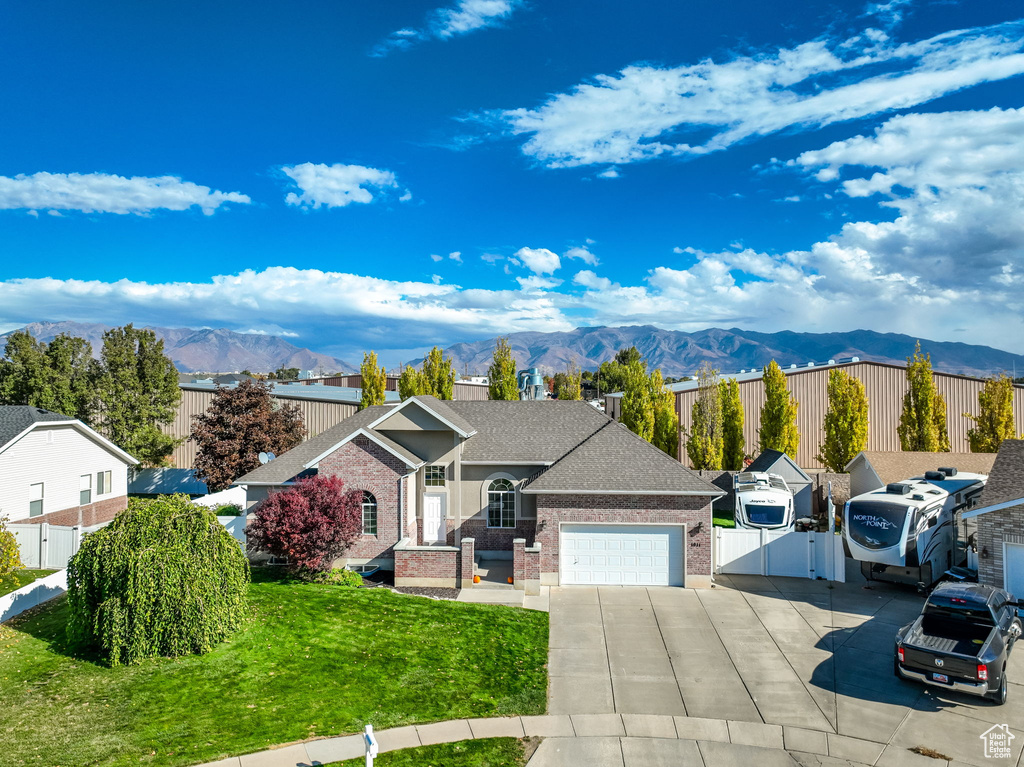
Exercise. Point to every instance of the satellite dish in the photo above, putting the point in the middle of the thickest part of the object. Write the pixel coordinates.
(271, 456)
(264, 457)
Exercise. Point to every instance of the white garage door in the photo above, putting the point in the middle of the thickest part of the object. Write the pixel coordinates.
(621, 555)
(1013, 569)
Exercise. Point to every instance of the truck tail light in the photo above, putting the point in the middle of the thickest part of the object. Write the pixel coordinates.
(982, 671)
(899, 652)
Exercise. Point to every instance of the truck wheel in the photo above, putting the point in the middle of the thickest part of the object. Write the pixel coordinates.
(998, 697)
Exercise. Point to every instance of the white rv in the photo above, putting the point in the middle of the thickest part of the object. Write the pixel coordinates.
(763, 501)
(906, 531)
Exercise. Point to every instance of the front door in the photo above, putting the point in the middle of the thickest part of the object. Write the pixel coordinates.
(433, 518)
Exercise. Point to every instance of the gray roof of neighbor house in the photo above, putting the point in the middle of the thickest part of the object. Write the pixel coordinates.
(1006, 480)
(895, 466)
(585, 450)
(615, 460)
(14, 419)
(769, 459)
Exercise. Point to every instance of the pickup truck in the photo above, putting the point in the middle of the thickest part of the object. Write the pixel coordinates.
(961, 641)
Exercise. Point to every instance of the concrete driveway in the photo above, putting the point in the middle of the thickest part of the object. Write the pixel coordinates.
(773, 650)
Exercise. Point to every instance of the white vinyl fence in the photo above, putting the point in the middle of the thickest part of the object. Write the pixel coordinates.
(788, 553)
(33, 594)
(48, 547)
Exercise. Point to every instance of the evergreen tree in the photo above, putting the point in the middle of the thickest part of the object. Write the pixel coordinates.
(240, 423)
(627, 356)
(733, 442)
(138, 392)
(411, 383)
(23, 371)
(666, 420)
(375, 381)
(570, 386)
(995, 421)
(637, 408)
(923, 420)
(704, 443)
(778, 416)
(846, 420)
(501, 376)
(438, 374)
(73, 373)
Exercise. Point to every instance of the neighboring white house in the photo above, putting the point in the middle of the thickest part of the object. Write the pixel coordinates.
(56, 469)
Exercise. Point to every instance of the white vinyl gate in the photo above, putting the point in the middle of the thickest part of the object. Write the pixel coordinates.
(48, 547)
(788, 553)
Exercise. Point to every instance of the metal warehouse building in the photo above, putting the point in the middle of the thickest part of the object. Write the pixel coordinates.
(885, 383)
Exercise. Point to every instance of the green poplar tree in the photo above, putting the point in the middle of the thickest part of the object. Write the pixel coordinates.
(846, 420)
(410, 383)
(778, 416)
(501, 376)
(375, 381)
(704, 443)
(438, 374)
(138, 392)
(637, 407)
(666, 420)
(923, 420)
(570, 386)
(733, 442)
(995, 421)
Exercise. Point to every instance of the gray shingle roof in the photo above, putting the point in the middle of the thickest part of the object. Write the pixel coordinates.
(14, 419)
(447, 411)
(615, 460)
(1006, 480)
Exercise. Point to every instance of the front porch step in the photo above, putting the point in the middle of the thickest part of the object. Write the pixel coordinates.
(507, 596)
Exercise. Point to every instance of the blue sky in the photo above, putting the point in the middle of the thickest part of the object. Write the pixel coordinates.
(309, 170)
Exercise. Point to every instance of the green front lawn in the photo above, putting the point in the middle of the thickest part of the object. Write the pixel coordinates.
(22, 578)
(723, 517)
(491, 752)
(313, 660)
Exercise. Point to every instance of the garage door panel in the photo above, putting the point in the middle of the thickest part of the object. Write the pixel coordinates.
(641, 555)
(1013, 569)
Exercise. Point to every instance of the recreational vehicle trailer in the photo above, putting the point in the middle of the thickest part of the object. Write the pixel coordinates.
(763, 501)
(906, 532)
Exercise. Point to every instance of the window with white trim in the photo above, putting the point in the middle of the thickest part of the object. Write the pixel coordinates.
(434, 476)
(102, 482)
(501, 504)
(369, 514)
(35, 500)
(85, 490)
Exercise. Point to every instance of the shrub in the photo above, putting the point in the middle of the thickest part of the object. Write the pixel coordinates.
(311, 524)
(10, 553)
(165, 578)
(228, 510)
(340, 576)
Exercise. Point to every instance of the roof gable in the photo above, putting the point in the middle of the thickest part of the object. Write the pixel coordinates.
(777, 462)
(437, 410)
(18, 420)
(1006, 479)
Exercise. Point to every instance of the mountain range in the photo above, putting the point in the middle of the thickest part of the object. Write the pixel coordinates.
(207, 350)
(678, 353)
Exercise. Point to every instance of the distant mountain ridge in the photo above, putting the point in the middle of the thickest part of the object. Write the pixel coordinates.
(206, 350)
(678, 353)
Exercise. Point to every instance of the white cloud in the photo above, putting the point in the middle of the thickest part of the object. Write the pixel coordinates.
(336, 185)
(677, 250)
(491, 258)
(647, 111)
(106, 193)
(445, 23)
(539, 260)
(455, 256)
(435, 258)
(536, 283)
(589, 279)
(611, 172)
(582, 254)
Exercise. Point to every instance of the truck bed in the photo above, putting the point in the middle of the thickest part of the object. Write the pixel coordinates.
(968, 644)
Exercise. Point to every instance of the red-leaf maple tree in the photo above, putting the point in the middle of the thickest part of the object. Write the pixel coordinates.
(241, 423)
(312, 523)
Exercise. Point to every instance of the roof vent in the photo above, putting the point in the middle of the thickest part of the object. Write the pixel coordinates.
(949, 471)
(854, 359)
(898, 488)
(793, 366)
(934, 476)
(917, 497)
(810, 364)
(744, 370)
(831, 362)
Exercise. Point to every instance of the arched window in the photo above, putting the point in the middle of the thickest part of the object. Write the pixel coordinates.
(501, 504)
(369, 514)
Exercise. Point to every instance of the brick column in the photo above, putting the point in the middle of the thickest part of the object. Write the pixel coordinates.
(467, 562)
(531, 570)
(519, 563)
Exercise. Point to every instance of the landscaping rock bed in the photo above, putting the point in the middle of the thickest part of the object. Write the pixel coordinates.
(386, 579)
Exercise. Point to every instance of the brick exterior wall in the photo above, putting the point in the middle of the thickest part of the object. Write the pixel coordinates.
(627, 509)
(993, 529)
(498, 539)
(364, 465)
(467, 562)
(519, 561)
(440, 564)
(83, 516)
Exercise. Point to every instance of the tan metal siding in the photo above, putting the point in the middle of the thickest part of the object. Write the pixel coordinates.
(885, 386)
(469, 391)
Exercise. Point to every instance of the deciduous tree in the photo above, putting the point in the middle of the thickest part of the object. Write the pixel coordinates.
(995, 421)
(164, 578)
(24, 378)
(312, 523)
(10, 553)
(570, 387)
(375, 380)
(637, 407)
(923, 420)
(59, 376)
(411, 383)
(138, 392)
(240, 423)
(846, 420)
(733, 441)
(501, 376)
(665, 436)
(439, 374)
(778, 416)
(704, 443)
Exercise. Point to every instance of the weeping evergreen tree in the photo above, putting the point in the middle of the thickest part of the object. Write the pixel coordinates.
(165, 578)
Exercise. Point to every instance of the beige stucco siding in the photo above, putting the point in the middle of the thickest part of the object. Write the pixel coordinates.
(476, 479)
